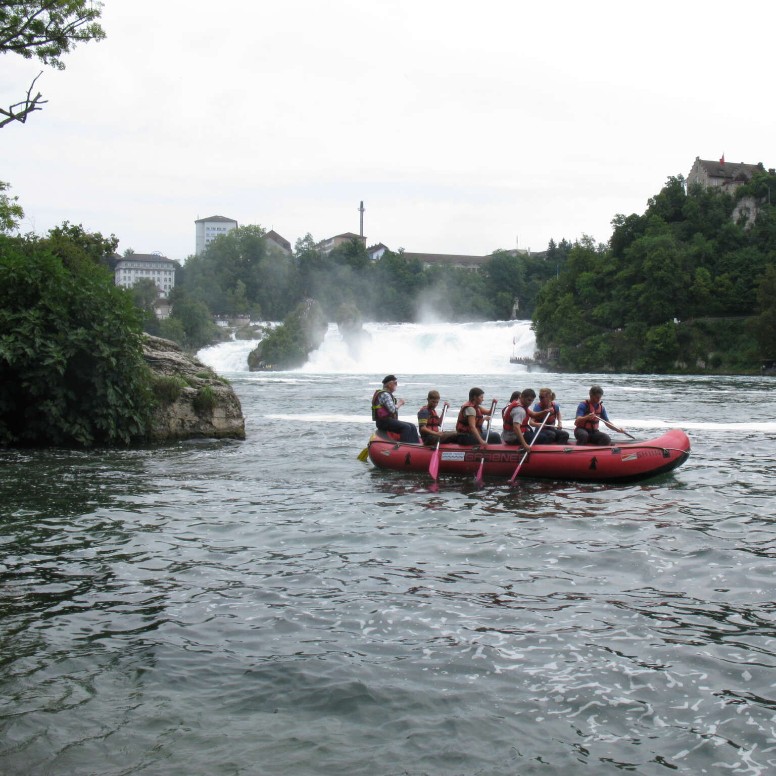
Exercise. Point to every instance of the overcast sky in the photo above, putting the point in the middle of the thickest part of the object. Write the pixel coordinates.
(464, 127)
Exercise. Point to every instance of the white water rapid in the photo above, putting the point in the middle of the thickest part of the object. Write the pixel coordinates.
(409, 348)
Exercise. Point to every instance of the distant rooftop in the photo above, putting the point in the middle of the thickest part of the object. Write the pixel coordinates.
(216, 218)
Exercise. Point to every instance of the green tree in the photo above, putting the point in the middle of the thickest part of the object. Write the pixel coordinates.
(401, 287)
(73, 244)
(238, 273)
(71, 364)
(765, 322)
(11, 211)
(506, 275)
(194, 318)
(144, 294)
(688, 256)
(44, 30)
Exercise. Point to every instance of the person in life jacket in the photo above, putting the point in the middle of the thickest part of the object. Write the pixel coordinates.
(554, 424)
(516, 417)
(589, 413)
(385, 412)
(430, 423)
(470, 421)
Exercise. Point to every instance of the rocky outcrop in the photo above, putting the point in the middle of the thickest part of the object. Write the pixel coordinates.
(289, 345)
(192, 401)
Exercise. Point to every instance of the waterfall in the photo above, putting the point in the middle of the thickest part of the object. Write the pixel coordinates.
(409, 348)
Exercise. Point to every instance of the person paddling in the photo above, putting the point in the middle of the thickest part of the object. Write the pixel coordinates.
(553, 424)
(430, 423)
(589, 413)
(470, 421)
(516, 417)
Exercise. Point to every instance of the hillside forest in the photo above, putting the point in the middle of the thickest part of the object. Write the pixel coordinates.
(689, 285)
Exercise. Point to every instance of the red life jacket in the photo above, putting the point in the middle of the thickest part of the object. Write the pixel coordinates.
(506, 416)
(379, 412)
(434, 421)
(591, 425)
(552, 415)
(462, 424)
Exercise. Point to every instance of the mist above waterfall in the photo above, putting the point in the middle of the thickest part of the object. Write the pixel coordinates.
(408, 348)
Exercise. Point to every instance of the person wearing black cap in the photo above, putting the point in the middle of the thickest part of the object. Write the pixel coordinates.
(385, 412)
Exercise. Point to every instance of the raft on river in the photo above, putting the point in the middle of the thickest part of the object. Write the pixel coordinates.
(616, 463)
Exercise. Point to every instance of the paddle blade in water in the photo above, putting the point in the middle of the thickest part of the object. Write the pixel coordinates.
(479, 479)
(364, 454)
(433, 466)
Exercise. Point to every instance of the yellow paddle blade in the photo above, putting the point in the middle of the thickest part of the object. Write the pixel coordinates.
(364, 454)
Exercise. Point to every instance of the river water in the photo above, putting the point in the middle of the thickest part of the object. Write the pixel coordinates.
(276, 606)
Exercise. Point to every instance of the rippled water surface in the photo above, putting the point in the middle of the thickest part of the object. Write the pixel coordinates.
(278, 607)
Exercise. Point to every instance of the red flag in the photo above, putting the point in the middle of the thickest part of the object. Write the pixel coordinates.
(722, 159)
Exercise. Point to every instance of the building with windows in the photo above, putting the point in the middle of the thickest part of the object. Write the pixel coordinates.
(328, 245)
(207, 229)
(727, 175)
(129, 269)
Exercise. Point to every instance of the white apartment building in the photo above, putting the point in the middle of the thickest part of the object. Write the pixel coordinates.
(207, 229)
(160, 269)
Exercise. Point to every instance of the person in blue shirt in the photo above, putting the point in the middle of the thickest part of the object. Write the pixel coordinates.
(553, 426)
(590, 413)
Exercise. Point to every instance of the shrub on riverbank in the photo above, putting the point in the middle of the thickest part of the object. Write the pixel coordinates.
(71, 363)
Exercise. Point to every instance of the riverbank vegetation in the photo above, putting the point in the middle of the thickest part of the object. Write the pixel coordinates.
(687, 286)
(71, 362)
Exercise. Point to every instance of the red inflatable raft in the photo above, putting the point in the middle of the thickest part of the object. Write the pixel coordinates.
(616, 463)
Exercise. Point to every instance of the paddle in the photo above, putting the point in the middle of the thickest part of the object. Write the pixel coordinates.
(525, 455)
(433, 464)
(614, 428)
(363, 455)
(479, 478)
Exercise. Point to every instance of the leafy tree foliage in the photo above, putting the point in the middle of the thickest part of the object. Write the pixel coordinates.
(190, 323)
(44, 30)
(11, 211)
(238, 273)
(765, 323)
(71, 364)
(688, 256)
